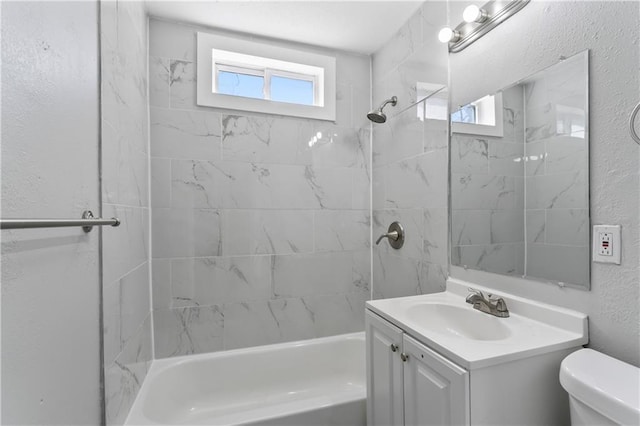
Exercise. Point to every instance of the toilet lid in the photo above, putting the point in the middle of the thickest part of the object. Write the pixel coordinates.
(607, 385)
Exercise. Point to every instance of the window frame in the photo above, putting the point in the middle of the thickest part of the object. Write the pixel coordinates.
(215, 51)
(267, 74)
(270, 72)
(236, 70)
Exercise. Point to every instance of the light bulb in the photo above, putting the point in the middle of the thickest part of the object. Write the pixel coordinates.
(447, 34)
(473, 13)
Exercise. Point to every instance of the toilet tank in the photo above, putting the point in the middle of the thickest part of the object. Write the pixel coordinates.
(601, 387)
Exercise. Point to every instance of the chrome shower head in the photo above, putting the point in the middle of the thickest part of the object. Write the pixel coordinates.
(376, 115)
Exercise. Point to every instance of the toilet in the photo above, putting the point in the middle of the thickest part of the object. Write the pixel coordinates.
(602, 390)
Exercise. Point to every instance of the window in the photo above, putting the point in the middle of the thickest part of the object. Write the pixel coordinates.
(239, 82)
(481, 117)
(293, 89)
(570, 121)
(433, 101)
(466, 114)
(250, 76)
(266, 83)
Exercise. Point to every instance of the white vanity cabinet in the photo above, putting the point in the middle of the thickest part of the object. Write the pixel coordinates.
(410, 384)
(385, 391)
(435, 360)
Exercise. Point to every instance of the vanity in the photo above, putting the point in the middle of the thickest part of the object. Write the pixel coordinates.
(435, 360)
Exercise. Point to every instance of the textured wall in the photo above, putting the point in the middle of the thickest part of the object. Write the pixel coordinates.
(410, 160)
(536, 38)
(125, 194)
(257, 237)
(50, 277)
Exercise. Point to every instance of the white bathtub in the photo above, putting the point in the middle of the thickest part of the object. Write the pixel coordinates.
(310, 382)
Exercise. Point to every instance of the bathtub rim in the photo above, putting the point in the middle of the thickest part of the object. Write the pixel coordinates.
(159, 366)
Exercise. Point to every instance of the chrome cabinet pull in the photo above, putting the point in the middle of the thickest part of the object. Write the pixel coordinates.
(404, 357)
(394, 347)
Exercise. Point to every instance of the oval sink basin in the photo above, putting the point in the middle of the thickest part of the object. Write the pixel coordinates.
(458, 321)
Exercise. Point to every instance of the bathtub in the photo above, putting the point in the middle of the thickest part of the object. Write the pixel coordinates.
(310, 382)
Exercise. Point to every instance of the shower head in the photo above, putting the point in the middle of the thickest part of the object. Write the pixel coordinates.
(377, 116)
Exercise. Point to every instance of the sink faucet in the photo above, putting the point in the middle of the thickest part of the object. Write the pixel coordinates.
(489, 305)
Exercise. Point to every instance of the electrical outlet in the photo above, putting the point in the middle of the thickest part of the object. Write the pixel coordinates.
(606, 244)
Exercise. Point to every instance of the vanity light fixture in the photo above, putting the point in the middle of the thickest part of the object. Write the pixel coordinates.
(447, 35)
(478, 21)
(473, 13)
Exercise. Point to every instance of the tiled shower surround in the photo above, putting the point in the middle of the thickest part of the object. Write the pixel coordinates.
(258, 237)
(125, 194)
(410, 159)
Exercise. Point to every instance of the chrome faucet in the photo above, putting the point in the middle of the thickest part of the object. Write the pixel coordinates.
(489, 305)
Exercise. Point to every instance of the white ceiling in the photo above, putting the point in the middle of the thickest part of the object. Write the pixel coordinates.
(357, 26)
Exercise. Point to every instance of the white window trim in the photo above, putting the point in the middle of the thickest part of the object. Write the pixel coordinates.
(206, 96)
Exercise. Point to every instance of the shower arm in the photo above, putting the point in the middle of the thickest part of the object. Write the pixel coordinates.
(393, 100)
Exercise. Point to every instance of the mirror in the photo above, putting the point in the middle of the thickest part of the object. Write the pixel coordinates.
(520, 178)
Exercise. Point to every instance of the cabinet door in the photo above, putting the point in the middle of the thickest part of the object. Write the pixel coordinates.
(384, 373)
(436, 391)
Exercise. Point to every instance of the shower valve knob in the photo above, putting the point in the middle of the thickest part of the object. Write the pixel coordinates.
(395, 235)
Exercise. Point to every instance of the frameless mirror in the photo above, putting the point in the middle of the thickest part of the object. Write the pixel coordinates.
(520, 178)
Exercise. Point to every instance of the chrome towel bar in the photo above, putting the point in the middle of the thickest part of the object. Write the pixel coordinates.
(87, 222)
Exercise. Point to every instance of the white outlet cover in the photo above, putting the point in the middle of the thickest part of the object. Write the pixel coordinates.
(614, 244)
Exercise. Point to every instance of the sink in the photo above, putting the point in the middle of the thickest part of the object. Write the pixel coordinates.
(472, 339)
(464, 322)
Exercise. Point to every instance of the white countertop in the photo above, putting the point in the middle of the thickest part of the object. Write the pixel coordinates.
(534, 328)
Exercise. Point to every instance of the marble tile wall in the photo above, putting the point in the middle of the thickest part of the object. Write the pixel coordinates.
(410, 159)
(125, 194)
(556, 173)
(487, 187)
(258, 237)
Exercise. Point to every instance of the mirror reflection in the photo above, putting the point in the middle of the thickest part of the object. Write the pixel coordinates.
(520, 180)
